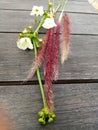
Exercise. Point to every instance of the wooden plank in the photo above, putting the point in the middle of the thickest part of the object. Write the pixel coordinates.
(81, 64)
(76, 106)
(16, 21)
(72, 6)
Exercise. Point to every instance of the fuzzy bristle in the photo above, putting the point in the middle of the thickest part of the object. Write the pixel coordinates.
(48, 71)
(65, 39)
(56, 51)
(39, 58)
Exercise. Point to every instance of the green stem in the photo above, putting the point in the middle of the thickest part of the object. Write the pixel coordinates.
(65, 3)
(44, 17)
(35, 51)
(57, 8)
(40, 24)
(42, 20)
(39, 78)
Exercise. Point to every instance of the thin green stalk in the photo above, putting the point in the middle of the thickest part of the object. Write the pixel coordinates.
(35, 51)
(60, 17)
(58, 7)
(42, 20)
(39, 78)
(40, 24)
(44, 17)
(53, 2)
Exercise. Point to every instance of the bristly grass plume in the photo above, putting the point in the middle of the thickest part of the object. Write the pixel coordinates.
(48, 70)
(65, 39)
(39, 57)
(56, 51)
(46, 51)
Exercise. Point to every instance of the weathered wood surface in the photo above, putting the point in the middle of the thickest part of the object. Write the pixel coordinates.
(73, 6)
(16, 21)
(81, 64)
(76, 104)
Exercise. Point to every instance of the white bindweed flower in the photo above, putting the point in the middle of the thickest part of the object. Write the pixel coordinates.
(94, 3)
(24, 43)
(49, 23)
(37, 10)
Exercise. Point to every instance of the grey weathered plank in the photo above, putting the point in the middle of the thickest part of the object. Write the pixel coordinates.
(76, 106)
(72, 6)
(81, 64)
(15, 21)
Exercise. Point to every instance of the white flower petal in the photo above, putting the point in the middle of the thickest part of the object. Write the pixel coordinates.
(32, 13)
(90, 1)
(49, 23)
(30, 46)
(37, 10)
(94, 3)
(20, 45)
(24, 43)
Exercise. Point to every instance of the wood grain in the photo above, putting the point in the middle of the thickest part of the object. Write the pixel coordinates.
(73, 6)
(75, 106)
(81, 64)
(16, 21)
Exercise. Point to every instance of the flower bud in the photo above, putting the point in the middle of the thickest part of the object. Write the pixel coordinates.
(20, 34)
(42, 121)
(50, 4)
(40, 114)
(40, 39)
(30, 27)
(50, 120)
(53, 115)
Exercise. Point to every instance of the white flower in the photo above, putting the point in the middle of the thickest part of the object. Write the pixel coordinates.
(94, 3)
(37, 10)
(90, 1)
(24, 43)
(49, 23)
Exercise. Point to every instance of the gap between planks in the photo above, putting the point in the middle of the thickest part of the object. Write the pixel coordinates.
(58, 11)
(69, 81)
(77, 34)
